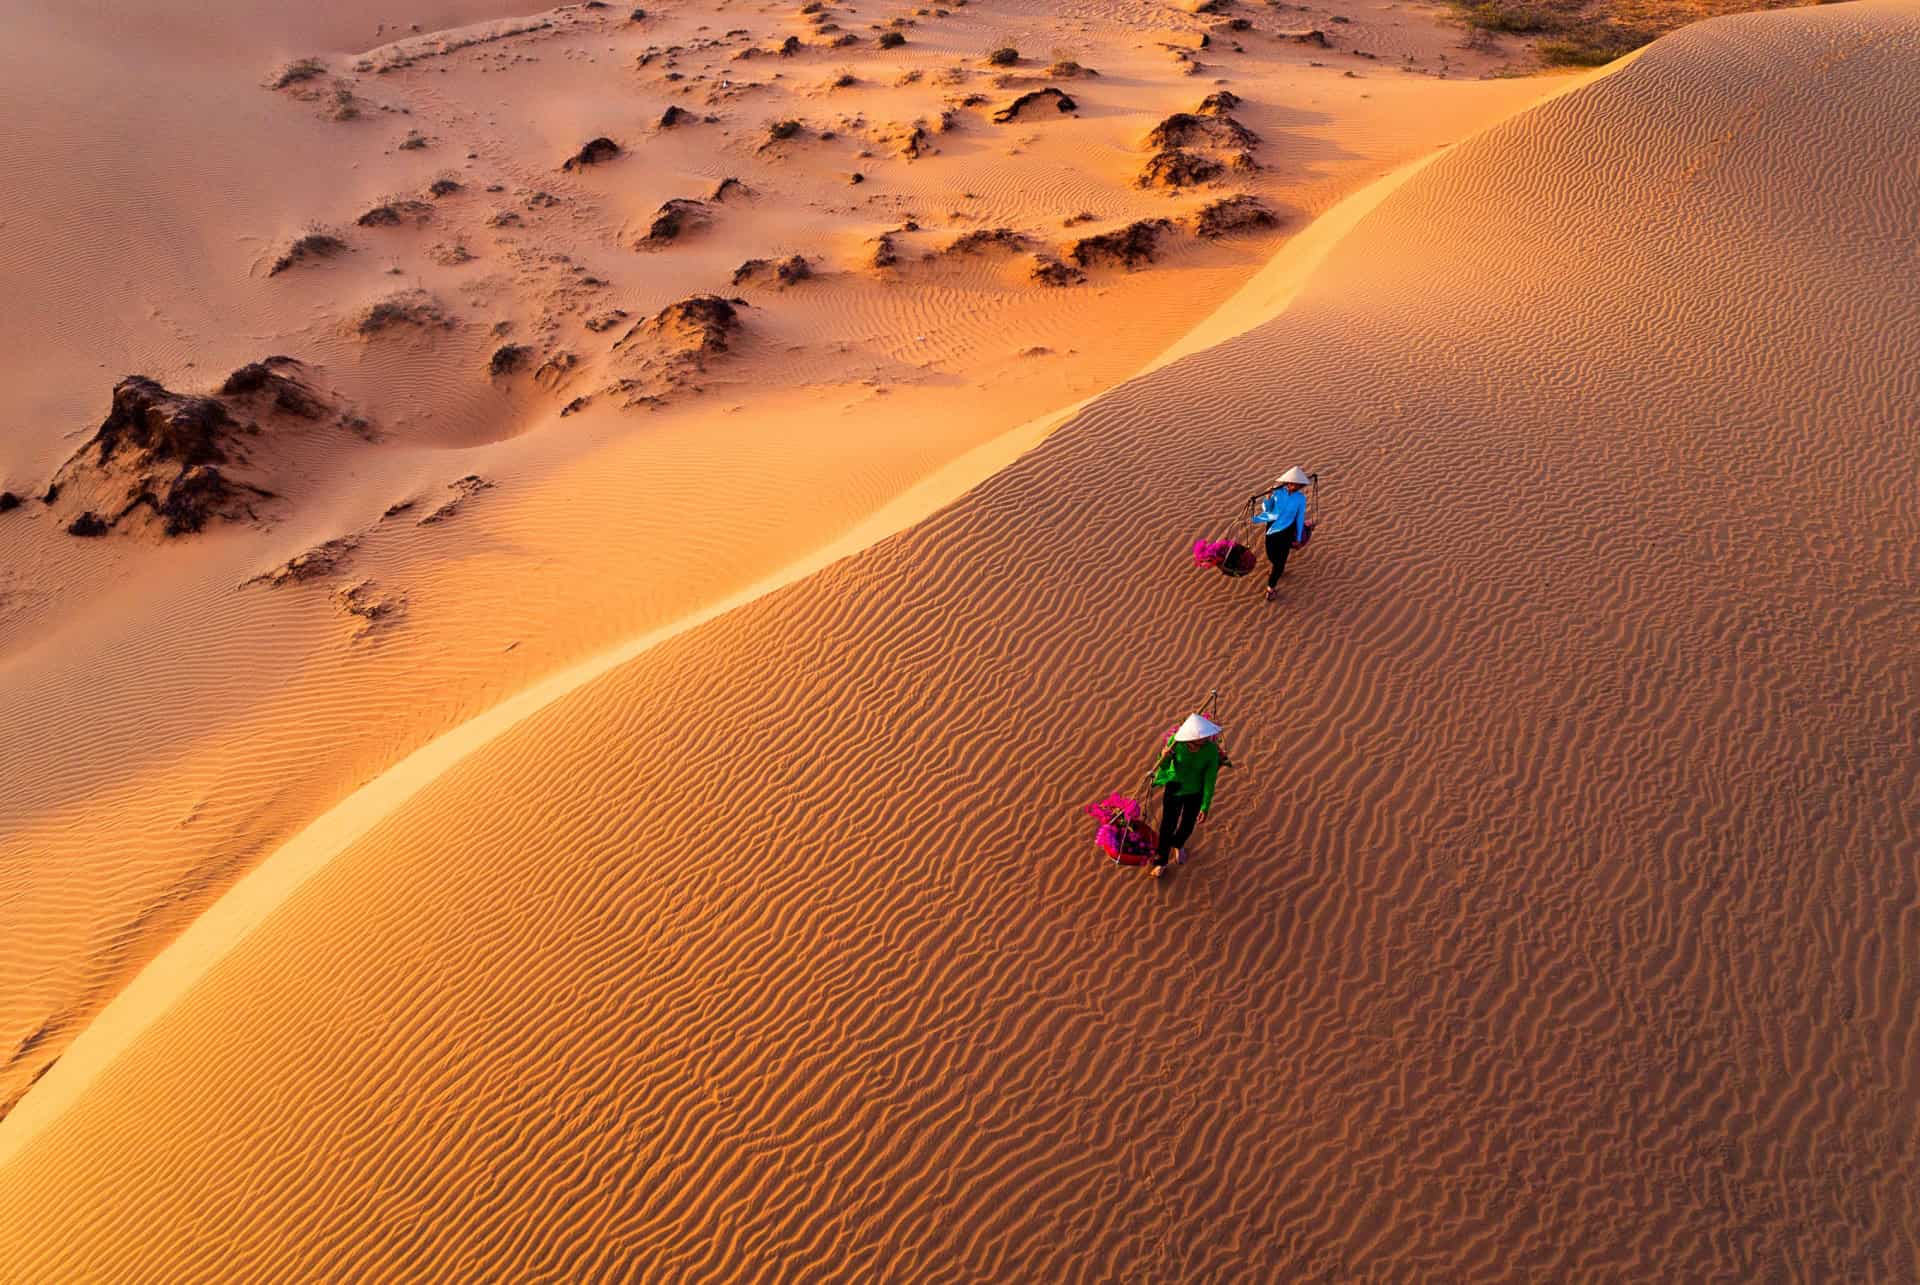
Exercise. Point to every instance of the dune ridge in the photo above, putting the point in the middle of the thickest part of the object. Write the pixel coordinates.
(183, 715)
(1557, 923)
(177, 717)
(186, 959)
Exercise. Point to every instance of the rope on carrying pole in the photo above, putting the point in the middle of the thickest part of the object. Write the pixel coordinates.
(1259, 498)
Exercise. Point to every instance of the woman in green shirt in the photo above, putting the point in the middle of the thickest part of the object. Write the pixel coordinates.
(1187, 768)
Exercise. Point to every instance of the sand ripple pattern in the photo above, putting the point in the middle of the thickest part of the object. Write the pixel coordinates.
(1562, 922)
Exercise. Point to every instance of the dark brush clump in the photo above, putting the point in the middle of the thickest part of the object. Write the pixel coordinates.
(671, 220)
(1012, 110)
(392, 214)
(279, 377)
(788, 271)
(148, 418)
(314, 245)
(1184, 128)
(1232, 214)
(508, 358)
(408, 308)
(697, 327)
(160, 449)
(1176, 167)
(982, 240)
(1128, 247)
(296, 73)
(593, 152)
(1049, 271)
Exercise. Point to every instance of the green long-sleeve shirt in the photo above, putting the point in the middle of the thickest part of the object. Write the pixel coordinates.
(1190, 767)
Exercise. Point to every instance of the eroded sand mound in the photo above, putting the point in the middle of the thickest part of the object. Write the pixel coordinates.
(1556, 924)
(183, 459)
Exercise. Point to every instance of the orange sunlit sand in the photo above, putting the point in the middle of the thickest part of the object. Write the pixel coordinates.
(576, 772)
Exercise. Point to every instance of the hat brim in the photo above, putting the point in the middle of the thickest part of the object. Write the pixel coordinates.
(1198, 727)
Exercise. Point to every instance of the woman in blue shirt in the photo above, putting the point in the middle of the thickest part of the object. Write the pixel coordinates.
(1284, 514)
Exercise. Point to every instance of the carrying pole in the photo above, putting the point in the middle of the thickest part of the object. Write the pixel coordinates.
(1206, 709)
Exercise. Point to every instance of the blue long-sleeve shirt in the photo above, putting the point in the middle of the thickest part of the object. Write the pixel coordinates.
(1284, 509)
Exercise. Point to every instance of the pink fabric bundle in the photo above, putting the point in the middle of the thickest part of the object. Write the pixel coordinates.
(1211, 553)
(1228, 556)
(1124, 834)
(1115, 807)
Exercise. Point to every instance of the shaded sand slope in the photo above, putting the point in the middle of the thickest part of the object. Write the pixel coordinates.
(1560, 922)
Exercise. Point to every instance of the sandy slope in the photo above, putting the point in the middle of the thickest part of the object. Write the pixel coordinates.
(1560, 921)
(170, 721)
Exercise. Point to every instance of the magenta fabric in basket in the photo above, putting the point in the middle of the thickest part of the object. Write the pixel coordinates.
(1124, 834)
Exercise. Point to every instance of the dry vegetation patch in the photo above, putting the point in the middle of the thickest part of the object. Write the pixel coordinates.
(673, 220)
(408, 310)
(986, 241)
(596, 151)
(1589, 33)
(1037, 98)
(1177, 167)
(316, 244)
(1183, 129)
(1232, 214)
(1132, 246)
(392, 214)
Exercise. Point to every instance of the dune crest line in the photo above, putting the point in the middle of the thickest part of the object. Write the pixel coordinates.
(182, 963)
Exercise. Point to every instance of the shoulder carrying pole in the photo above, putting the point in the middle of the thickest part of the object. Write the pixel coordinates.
(1212, 693)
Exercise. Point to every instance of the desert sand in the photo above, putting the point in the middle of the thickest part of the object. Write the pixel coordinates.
(187, 703)
(658, 857)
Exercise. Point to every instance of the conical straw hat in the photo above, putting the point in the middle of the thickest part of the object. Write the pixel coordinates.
(1295, 476)
(1198, 727)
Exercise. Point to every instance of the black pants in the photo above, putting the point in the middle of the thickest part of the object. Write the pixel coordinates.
(1279, 544)
(1178, 815)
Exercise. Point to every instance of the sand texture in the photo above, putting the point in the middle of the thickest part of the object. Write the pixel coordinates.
(526, 446)
(1559, 921)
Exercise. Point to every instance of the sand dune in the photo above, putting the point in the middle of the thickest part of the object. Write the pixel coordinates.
(1558, 922)
(180, 705)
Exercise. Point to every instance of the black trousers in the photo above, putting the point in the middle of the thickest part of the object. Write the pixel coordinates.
(1179, 813)
(1279, 544)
